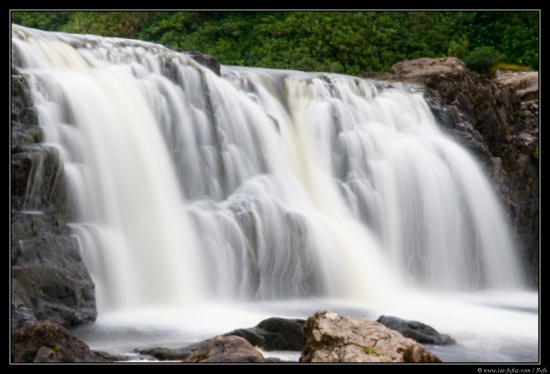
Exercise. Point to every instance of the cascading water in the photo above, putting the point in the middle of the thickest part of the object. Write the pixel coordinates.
(258, 185)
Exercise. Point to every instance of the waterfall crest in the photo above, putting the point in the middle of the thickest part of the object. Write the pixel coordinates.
(259, 184)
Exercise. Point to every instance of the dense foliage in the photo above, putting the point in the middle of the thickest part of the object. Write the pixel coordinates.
(346, 42)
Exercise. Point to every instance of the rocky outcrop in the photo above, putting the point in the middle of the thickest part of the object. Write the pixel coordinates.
(497, 120)
(331, 337)
(48, 277)
(526, 84)
(225, 349)
(47, 341)
(50, 282)
(415, 330)
(274, 334)
(207, 61)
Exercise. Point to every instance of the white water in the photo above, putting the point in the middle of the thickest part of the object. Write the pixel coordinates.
(205, 203)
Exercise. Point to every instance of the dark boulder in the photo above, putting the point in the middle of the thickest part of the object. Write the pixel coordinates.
(207, 61)
(274, 334)
(49, 281)
(415, 330)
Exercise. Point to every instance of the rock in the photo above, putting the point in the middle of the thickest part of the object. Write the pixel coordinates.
(420, 68)
(415, 330)
(331, 337)
(103, 356)
(275, 334)
(225, 349)
(526, 84)
(21, 314)
(47, 341)
(49, 281)
(269, 335)
(168, 354)
(207, 61)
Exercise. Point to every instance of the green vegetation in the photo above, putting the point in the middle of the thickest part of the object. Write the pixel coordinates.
(509, 67)
(482, 59)
(370, 351)
(345, 42)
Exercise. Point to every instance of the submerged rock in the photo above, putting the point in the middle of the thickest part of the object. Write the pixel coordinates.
(415, 330)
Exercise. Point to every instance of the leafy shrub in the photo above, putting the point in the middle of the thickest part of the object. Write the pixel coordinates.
(458, 49)
(482, 59)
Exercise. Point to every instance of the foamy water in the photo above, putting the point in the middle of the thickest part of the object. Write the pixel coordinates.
(204, 204)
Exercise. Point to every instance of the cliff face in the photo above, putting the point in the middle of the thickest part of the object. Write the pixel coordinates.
(49, 280)
(497, 120)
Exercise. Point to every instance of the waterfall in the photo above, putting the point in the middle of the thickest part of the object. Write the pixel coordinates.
(257, 184)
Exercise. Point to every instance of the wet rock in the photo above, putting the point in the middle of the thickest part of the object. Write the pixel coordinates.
(49, 281)
(275, 334)
(415, 330)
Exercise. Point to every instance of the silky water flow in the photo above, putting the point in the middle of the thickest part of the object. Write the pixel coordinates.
(206, 203)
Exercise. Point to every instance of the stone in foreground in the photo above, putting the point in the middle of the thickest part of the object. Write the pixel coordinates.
(331, 337)
(47, 341)
(225, 349)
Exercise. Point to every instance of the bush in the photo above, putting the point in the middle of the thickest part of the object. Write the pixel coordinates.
(482, 59)
(458, 49)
